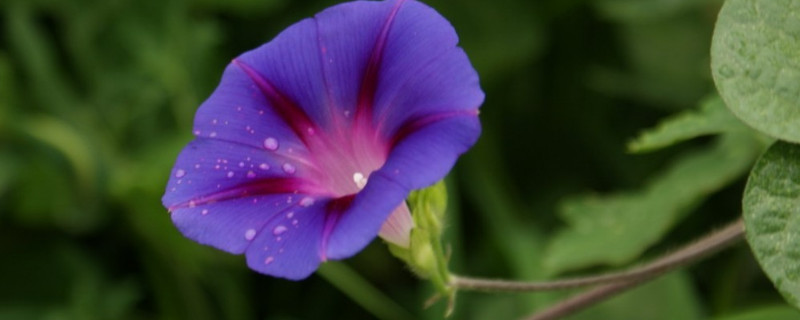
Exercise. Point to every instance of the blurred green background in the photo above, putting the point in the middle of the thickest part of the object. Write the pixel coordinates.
(97, 99)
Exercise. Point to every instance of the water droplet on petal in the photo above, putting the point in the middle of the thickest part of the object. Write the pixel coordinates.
(310, 131)
(250, 234)
(204, 212)
(271, 143)
(212, 134)
(360, 180)
(192, 204)
(294, 222)
(306, 202)
(290, 215)
(197, 166)
(180, 173)
(251, 174)
(263, 166)
(289, 168)
(279, 230)
(230, 174)
(269, 260)
(241, 164)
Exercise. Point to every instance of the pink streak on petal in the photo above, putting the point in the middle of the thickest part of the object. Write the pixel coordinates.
(333, 212)
(397, 228)
(256, 188)
(370, 80)
(414, 125)
(298, 120)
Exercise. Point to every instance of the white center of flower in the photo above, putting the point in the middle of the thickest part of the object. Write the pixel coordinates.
(360, 180)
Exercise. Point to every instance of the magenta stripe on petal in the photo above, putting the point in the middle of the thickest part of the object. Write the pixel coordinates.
(288, 111)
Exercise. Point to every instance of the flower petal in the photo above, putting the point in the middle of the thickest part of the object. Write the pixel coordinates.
(231, 225)
(290, 64)
(360, 222)
(239, 112)
(422, 70)
(427, 148)
(408, 167)
(289, 245)
(444, 85)
(351, 38)
(397, 227)
(210, 170)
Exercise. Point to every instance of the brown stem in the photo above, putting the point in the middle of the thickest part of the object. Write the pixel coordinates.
(679, 258)
(697, 250)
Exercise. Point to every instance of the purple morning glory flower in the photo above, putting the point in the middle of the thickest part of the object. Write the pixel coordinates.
(310, 144)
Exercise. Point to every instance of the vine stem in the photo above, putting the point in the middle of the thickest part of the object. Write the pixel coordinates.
(614, 282)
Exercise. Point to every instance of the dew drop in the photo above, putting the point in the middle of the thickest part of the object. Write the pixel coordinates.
(197, 166)
(294, 222)
(360, 180)
(289, 168)
(263, 166)
(271, 143)
(250, 234)
(310, 131)
(306, 202)
(241, 164)
(290, 215)
(269, 260)
(230, 174)
(212, 134)
(280, 229)
(192, 204)
(204, 212)
(214, 121)
(197, 132)
(251, 174)
(180, 173)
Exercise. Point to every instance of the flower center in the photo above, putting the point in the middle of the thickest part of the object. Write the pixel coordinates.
(346, 161)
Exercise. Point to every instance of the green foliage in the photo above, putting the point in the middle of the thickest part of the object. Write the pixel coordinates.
(630, 222)
(756, 66)
(772, 216)
(425, 255)
(674, 293)
(778, 312)
(712, 118)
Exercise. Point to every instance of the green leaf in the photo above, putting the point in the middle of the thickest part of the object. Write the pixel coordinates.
(674, 293)
(755, 64)
(780, 312)
(712, 118)
(617, 228)
(772, 217)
